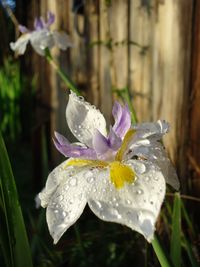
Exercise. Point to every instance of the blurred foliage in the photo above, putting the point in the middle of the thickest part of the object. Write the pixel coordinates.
(14, 99)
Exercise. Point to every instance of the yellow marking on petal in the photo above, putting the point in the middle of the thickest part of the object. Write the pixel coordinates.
(85, 162)
(124, 145)
(120, 173)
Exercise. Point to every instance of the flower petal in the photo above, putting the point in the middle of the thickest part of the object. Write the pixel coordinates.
(20, 45)
(50, 18)
(106, 147)
(39, 24)
(122, 119)
(155, 152)
(65, 198)
(40, 40)
(136, 205)
(75, 151)
(153, 130)
(23, 29)
(83, 119)
(62, 40)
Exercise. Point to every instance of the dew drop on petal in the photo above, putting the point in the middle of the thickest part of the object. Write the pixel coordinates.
(114, 199)
(139, 191)
(99, 204)
(140, 168)
(128, 202)
(60, 198)
(73, 181)
(64, 214)
(147, 178)
(89, 176)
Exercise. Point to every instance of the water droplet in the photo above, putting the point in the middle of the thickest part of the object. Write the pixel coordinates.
(156, 178)
(81, 98)
(60, 198)
(103, 190)
(73, 182)
(89, 176)
(117, 204)
(80, 126)
(64, 214)
(99, 204)
(147, 178)
(128, 202)
(114, 199)
(71, 201)
(139, 191)
(140, 168)
(75, 131)
(66, 187)
(56, 211)
(94, 190)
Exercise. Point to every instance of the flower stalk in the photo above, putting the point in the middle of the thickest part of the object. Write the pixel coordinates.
(60, 72)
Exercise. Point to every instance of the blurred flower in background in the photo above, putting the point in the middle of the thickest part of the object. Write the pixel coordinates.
(10, 3)
(41, 37)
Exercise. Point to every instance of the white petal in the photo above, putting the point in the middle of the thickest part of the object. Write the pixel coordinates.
(153, 130)
(156, 153)
(65, 198)
(83, 119)
(62, 40)
(20, 45)
(136, 205)
(40, 40)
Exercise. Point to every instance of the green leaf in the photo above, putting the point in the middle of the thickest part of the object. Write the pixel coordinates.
(189, 249)
(19, 251)
(175, 244)
(160, 253)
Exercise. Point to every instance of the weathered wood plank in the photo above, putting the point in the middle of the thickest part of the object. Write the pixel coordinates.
(105, 61)
(141, 26)
(170, 77)
(194, 125)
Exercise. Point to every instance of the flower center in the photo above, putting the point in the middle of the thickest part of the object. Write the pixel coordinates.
(119, 172)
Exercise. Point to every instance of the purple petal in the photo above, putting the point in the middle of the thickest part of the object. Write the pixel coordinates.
(38, 24)
(75, 151)
(114, 140)
(61, 139)
(100, 143)
(122, 119)
(106, 147)
(50, 18)
(23, 29)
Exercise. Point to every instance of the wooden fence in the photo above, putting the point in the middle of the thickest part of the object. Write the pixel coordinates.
(151, 47)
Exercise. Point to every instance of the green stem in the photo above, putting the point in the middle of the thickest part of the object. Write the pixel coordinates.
(60, 72)
(161, 255)
(130, 105)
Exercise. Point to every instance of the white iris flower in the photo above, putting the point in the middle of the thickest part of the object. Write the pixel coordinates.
(41, 37)
(122, 174)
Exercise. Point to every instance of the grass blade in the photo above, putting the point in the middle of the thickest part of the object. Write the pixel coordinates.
(175, 245)
(160, 253)
(15, 229)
